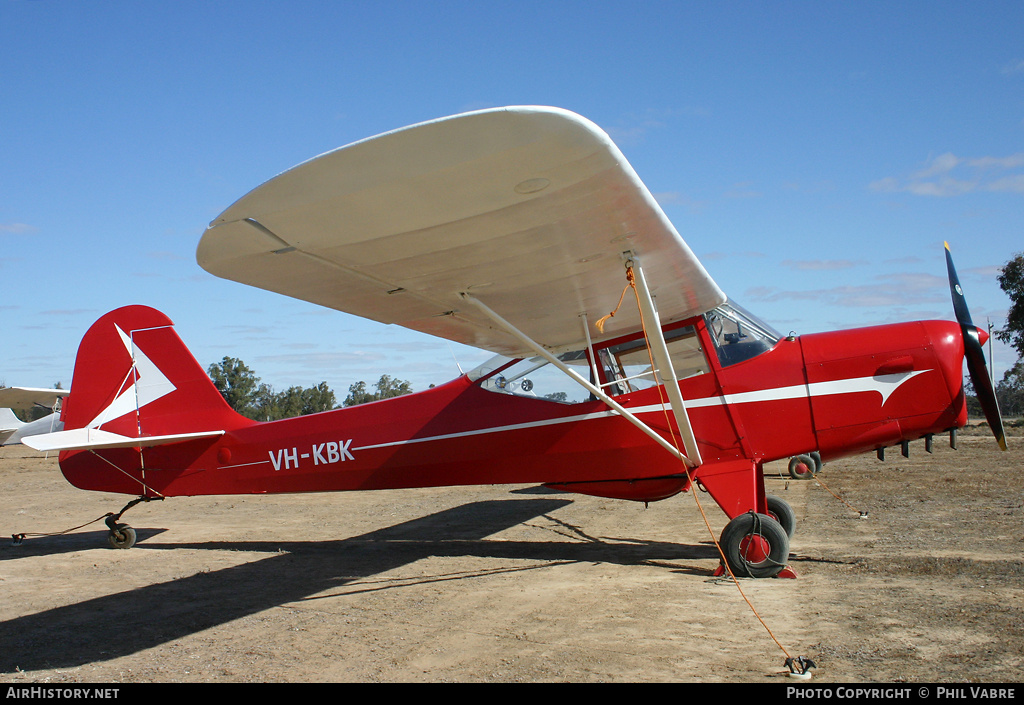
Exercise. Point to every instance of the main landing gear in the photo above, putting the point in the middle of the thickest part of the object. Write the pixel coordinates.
(122, 535)
(757, 545)
(780, 511)
(806, 466)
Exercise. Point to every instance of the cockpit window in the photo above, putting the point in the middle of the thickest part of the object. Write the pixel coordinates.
(627, 366)
(738, 335)
(535, 377)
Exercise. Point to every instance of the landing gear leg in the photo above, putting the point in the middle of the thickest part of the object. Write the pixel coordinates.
(122, 535)
(754, 544)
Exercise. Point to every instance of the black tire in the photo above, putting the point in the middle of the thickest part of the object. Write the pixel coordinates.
(780, 511)
(744, 540)
(802, 467)
(121, 536)
(816, 456)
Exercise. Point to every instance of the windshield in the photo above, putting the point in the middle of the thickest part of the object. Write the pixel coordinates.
(738, 335)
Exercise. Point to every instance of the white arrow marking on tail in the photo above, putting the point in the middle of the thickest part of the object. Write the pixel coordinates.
(150, 384)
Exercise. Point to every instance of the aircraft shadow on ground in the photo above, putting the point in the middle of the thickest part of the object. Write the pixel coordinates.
(121, 624)
(53, 544)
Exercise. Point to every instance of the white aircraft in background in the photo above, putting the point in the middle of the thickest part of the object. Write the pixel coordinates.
(13, 429)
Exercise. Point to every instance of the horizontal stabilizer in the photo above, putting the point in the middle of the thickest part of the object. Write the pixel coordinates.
(96, 439)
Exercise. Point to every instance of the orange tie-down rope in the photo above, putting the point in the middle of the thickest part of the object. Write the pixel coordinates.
(630, 283)
(863, 514)
(792, 663)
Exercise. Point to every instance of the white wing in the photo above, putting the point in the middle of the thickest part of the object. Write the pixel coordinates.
(27, 397)
(529, 209)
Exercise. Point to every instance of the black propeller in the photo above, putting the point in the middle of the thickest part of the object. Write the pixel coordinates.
(975, 355)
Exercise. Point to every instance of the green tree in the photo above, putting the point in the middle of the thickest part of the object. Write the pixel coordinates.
(237, 384)
(974, 409)
(1011, 280)
(264, 404)
(317, 399)
(247, 395)
(1010, 391)
(386, 386)
(289, 403)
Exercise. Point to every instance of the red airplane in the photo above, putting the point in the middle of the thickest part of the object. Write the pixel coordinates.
(621, 369)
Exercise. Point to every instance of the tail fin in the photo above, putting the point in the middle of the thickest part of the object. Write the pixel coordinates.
(9, 425)
(134, 377)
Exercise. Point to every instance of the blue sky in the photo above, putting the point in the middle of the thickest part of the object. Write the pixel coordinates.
(815, 155)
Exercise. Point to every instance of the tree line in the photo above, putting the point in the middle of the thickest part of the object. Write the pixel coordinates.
(1010, 389)
(254, 399)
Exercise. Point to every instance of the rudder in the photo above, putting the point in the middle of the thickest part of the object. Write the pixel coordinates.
(135, 377)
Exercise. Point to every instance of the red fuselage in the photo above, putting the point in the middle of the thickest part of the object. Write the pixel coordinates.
(839, 393)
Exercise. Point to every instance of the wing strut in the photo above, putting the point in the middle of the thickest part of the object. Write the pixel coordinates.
(597, 392)
(665, 374)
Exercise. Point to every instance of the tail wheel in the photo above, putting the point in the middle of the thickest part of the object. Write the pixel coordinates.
(780, 511)
(755, 546)
(121, 536)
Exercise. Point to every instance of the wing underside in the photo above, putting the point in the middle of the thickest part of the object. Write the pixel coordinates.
(527, 209)
(28, 397)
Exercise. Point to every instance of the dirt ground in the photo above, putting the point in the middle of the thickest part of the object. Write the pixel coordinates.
(507, 584)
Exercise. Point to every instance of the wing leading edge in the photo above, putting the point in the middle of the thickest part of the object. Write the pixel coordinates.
(528, 209)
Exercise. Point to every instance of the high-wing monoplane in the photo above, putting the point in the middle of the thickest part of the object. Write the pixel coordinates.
(13, 429)
(621, 369)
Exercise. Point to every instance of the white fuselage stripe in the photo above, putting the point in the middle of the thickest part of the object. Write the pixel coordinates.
(493, 429)
(885, 385)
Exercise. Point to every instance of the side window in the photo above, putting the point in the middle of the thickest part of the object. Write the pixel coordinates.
(536, 377)
(627, 366)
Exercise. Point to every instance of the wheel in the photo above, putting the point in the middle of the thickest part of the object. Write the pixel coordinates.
(816, 457)
(755, 546)
(780, 511)
(121, 536)
(802, 467)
